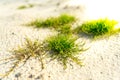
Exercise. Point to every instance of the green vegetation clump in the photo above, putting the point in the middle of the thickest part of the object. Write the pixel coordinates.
(98, 27)
(64, 49)
(54, 22)
(30, 49)
(66, 29)
(25, 6)
(22, 7)
(30, 5)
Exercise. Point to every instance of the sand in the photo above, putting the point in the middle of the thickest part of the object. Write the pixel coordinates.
(101, 61)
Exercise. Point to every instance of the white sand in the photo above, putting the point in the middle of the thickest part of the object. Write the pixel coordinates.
(102, 60)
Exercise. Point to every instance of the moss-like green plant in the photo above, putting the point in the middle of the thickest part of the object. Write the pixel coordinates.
(25, 6)
(54, 22)
(22, 7)
(98, 27)
(30, 49)
(64, 49)
(30, 5)
(65, 29)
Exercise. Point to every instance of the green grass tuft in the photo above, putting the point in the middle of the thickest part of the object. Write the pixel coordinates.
(98, 27)
(25, 6)
(64, 49)
(54, 22)
(65, 29)
(30, 49)
(31, 5)
(22, 7)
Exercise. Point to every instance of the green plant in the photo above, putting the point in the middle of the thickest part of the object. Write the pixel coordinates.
(25, 6)
(54, 22)
(22, 7)
(65, 29)
(63, 48)
(98, 27)
(30, 5)
(30, 49)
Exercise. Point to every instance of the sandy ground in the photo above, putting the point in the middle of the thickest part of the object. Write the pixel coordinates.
(102, 60)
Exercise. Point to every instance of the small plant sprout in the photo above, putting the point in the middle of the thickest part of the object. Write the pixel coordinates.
(25, 6)
(30, 5)
(30, 49)
(22, 7)
(54, 22)
(64, 49)
(100, 27)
